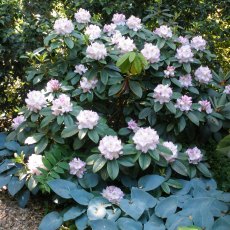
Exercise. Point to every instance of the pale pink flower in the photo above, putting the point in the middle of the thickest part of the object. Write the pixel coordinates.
(119, 19)
(53, 85)
(82, 16)
(194, 155)
(35, 162)
(151, 53)
(133, 125)
(145, 139)
(61, 105)
(77, 167)
(113, 194)
(63, 26)
(163, 32)
(174, 150)
(110, 29)
(134, 23)
(35, 101)
(18, 121)
(86, 85)
(205, 106)
(203, 75)
(80, 69)
(183, 40)
(96, 51)
(198, 43)
(87, 119)
(227, 89)
(110, 147)
(93, 32)
(170, 71)
(162, 93)
(184, 103)
(184, 54)
(186, 80)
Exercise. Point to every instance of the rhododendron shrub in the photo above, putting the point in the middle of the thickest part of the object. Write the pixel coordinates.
(126, 102)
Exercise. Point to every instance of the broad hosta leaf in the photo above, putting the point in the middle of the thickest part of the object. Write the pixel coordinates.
(4, 180)
(51, 221)
(81, 196)
(15, 185)
(123, 223)
(150, 182)
(166, 207)
(62, 187)
(73, 213)
(89, 180)
(103, 224)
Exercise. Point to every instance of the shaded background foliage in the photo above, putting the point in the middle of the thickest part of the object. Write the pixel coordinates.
(23, 24)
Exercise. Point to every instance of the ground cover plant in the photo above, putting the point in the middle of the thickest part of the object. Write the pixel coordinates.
(116, 120)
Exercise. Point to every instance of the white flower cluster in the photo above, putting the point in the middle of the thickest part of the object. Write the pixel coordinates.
(205, 106)
(110, 147)
(18, 121)
(151, 53)
(87, 119)
(227, 89)
(174, 150)
(86, 85)
(162, 93)
(61, 105)
(116, 37)
(186, 80)
(170, 71)
(146, 139)
(183, 40)
(80, 69)
(82, 16)
(194, 155)
(35, 101)
(96, 51)
(77, 167)
(126, 45)
(53, 85)
(35, 162)
(134, 23)
(110, 29)
(184, 54)
(119, 19)
(184, 103)
(93, 32)
(203, 75)
(198, 43)
(113, 194)
(164, 32)
(63, 26)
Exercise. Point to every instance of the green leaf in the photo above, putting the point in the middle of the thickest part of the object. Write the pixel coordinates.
(114, 89)
(41, 145)
(165, 188)
(170, 106)
(47, 120)
(193, 118)
(136, 88)
(49, 38)
(174, 184)
(104, 77)
(122, 59)
(132, 56)
(64, 165)
(34, 138)
(69, 132)
(164, 150)
(181, 124)
(113, 169)
(144, 161)
(93, 135)
(69, 42)
(187, 67)
(157, 106)
(204, 170)
(180, 168)
(99, 164)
